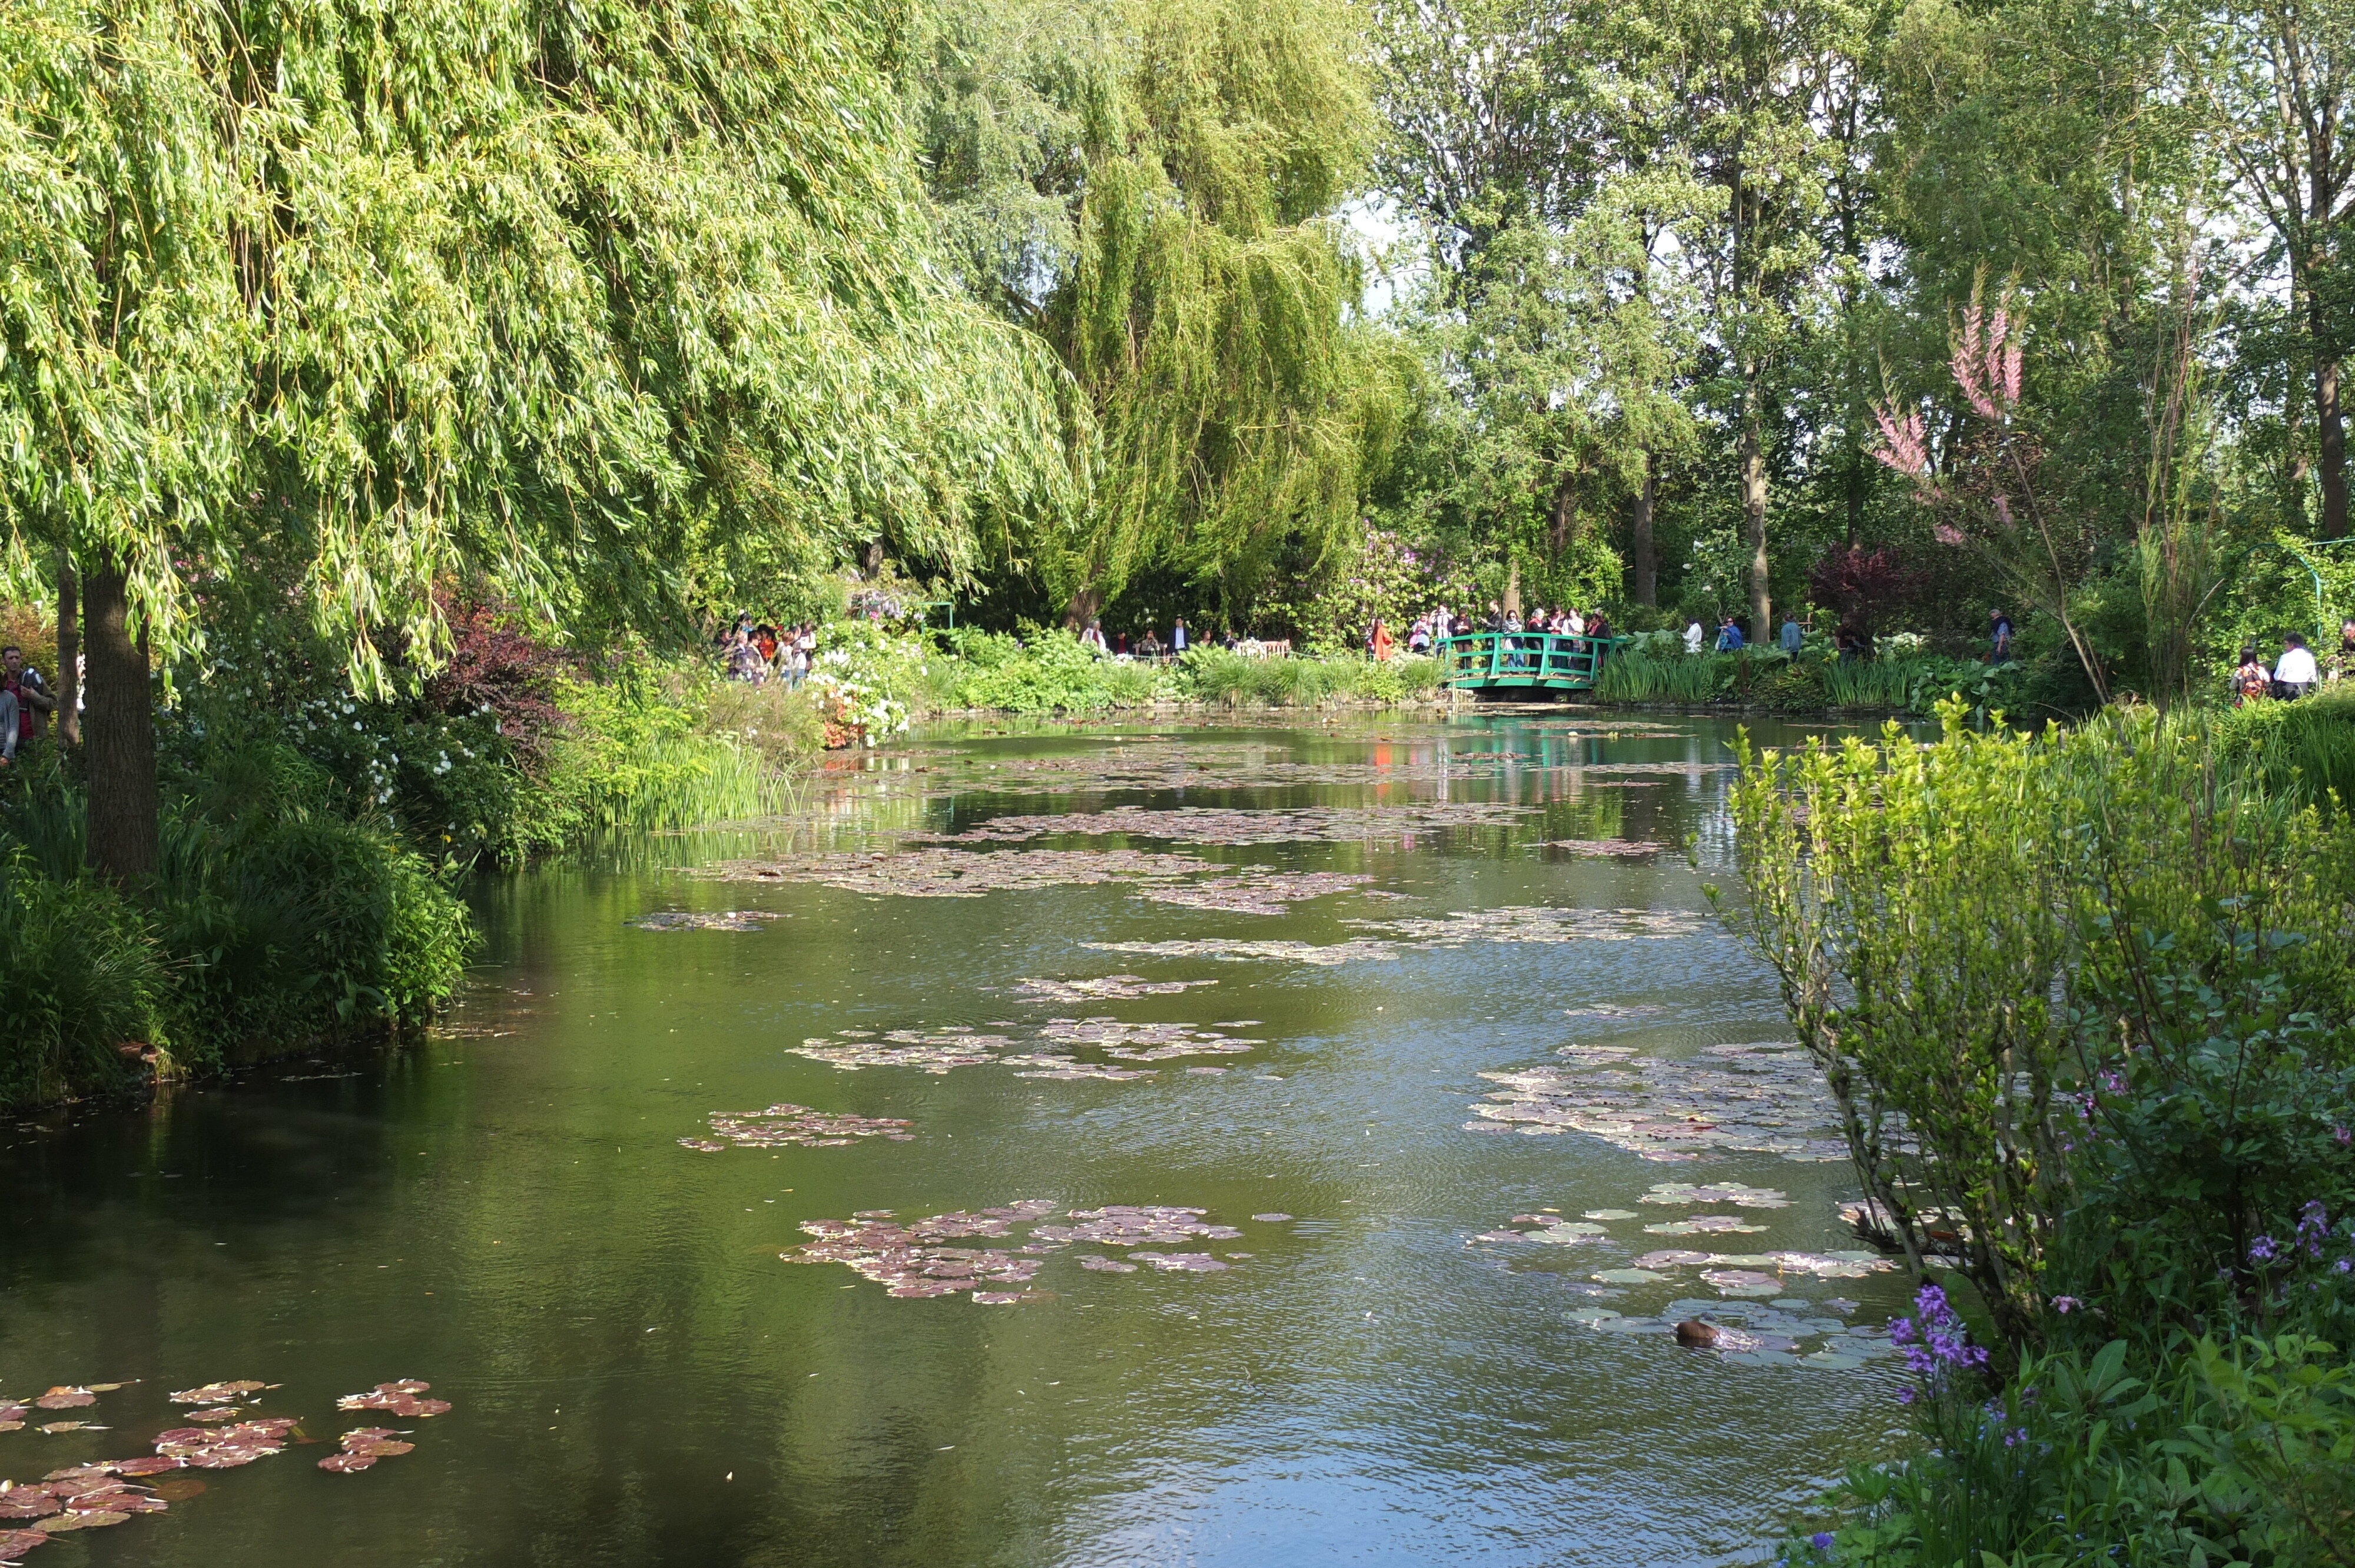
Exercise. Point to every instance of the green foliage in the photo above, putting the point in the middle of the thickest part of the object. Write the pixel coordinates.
(2301, 751)
(1215, 675)
(1666, 677)
(274, 920)
(1973, 934)
(608, 303)
(81, 973)
(1149, 189)
(2227, 1453)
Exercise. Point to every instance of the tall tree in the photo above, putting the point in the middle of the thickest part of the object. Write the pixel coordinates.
(2279, 80)
(612, 302)
(1151, 188)
(1762, 91)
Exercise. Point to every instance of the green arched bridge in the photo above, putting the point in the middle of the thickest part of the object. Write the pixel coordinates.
(1522, 661)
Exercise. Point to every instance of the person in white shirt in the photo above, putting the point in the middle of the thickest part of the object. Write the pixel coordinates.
(1693, 635)
(2294, 671)
(1575, 624)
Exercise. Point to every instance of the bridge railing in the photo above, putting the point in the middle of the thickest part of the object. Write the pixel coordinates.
(1515, 658)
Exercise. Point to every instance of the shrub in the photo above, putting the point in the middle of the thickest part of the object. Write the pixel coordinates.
(2304, 749)
(1973, 935)
(79, 976)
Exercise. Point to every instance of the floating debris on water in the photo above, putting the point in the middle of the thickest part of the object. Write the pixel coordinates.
(1764, 1099)
(225, 1447)
(798, 1126)
(1599, 848)
(922, 1257)
(1702, 1224)
(703, 920)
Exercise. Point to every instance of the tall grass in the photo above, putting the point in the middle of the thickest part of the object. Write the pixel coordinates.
(2304, 751)
(1631, 677)
(1871, 683)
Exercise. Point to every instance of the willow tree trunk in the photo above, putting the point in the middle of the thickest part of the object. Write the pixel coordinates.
(119, 747)
(68, 685)
(1641, 552)
(1753, 515)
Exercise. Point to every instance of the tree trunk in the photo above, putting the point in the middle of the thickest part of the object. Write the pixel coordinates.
(119, 752)
(1639, 537)
(2331, 442)
(1753, 515)
(1082, 608)
(1513, 587)
(68, 685)
(1562, 518)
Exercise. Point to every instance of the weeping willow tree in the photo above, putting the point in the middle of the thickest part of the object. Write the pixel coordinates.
(610, 303)
(1149, 189)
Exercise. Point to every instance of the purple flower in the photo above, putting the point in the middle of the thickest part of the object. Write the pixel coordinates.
(2015, 1437)
(1821, 1541)
(2066, 1304)
(2265, 1249)
(2342, 1135)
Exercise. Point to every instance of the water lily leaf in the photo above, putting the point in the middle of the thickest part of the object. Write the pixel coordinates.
(1627, 1277)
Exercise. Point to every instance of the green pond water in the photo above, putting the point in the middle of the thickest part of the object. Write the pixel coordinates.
(506, 1211)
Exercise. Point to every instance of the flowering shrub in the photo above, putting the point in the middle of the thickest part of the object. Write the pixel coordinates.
(1936, 1347)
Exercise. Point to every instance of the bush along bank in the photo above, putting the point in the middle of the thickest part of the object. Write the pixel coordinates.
(1654, 669)
(314, 841)
(2083, 1003)
(877, 680)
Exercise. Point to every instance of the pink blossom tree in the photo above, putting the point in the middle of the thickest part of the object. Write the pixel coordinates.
(1981, 489)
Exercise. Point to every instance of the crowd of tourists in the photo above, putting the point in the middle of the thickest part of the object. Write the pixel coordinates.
(759, 652)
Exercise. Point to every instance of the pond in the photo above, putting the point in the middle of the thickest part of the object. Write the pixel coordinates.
(1312, 1110)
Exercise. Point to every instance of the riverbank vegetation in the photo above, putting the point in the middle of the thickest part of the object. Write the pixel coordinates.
(2082, 1001)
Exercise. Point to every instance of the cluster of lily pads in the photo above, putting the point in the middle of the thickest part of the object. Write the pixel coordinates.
(1185, 879)
(946, 1049)
(1734, 1277)
(925, 1257)
(1510, 923)
(796, 1126)
(1233, 826)
(1103, 988)
(1602, 848)
(15, 1415)
(1759, 1098)
(1775, 1333)
(704, 920)
(222, 1434)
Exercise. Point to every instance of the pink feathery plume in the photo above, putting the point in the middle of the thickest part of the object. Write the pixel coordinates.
(1946, 534)
(2003, 510)
(1904, 443)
